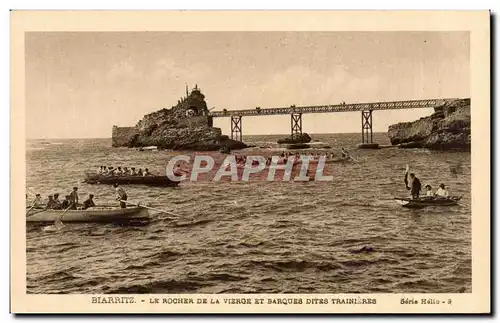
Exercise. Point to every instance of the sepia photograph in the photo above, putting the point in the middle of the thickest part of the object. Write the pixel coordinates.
(241, 163)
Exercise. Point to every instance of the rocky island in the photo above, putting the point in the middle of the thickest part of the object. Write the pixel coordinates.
(186, 126)
(448, 128)
(301, 139)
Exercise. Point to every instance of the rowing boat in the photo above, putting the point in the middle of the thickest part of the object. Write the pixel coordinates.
(130, 180)
(94, 214)
(425, 201)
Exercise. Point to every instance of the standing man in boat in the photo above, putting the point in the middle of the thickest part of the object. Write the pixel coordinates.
(415, 184)
(121, 195)
(73, 198)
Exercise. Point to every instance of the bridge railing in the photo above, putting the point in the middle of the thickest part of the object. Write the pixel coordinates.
(392, 105)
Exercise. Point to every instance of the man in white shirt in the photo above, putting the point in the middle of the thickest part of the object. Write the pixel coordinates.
(442, 192)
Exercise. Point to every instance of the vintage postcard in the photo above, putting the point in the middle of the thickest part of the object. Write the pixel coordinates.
(250, 162)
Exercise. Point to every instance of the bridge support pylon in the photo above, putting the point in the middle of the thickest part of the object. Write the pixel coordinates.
(296, 123)
(367, 130)
(236, 128)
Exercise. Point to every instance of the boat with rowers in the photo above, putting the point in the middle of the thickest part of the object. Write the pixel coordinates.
(427, 201)
(414, 185)
(97, 214)
(164, 181)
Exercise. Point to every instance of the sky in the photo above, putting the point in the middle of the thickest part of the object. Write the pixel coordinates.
(78, 85)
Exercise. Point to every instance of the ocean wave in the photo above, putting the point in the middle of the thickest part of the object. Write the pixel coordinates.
(166, 286)
(57, 276)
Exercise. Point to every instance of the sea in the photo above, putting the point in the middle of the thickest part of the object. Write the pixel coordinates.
(347, 235)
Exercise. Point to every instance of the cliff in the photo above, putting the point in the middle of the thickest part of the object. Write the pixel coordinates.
(447, 128)
(121, 136)
(186, 126)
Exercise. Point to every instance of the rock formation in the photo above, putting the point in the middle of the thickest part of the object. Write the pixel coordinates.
(186, 126)
(302, 139)
(448, 128)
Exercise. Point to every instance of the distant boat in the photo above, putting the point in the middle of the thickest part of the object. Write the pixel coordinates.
(92, 178)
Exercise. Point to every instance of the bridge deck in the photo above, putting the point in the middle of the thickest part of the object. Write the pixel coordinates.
(393, 105)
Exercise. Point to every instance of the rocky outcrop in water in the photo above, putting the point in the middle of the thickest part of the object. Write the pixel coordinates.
(448, 128)
(186, 126)
(302, 139)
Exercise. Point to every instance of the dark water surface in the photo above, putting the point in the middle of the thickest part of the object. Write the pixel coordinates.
(255, 237)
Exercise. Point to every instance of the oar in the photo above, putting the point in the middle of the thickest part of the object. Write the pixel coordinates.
(35, 213)
(152, 208)
(60, 218)
(352, 158)
(32, 206)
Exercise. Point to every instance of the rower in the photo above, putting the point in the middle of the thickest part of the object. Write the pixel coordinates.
(442, 192)
(132, 172)
(111, 171)
(66, 202)
(50, 202)
(126, 171)
(57, 205)
(139, 172)
(37, 201)
(119, 171)
(121, 195)
(415, 185)
(89, 202)
(73, 197)
(146, 172)
(345, 154)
